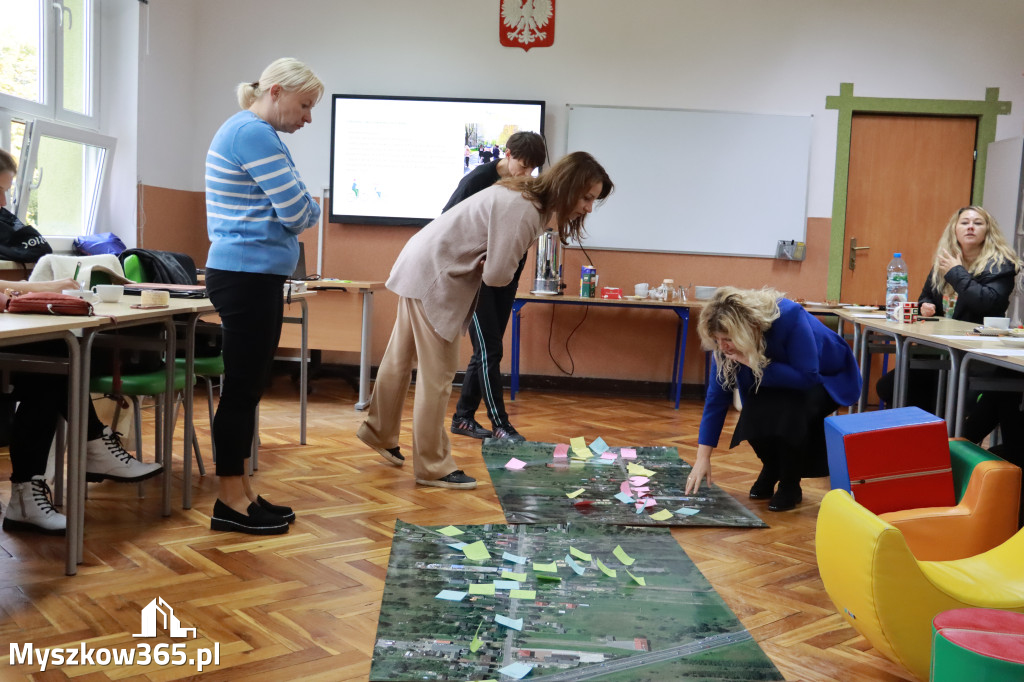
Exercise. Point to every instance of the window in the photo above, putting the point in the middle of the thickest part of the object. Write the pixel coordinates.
(60, 177)
(48, 60)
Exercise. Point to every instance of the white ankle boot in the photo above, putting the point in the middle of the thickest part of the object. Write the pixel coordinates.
(31, 509)
(107, 459)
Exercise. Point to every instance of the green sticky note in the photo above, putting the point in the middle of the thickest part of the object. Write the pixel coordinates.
(523, 594)
(509, 575)
(661, 515)
(450, 531)
(476, 551)
(639, 580)
(475, 645)
(621, 555)
(550, 578)
(610, 572)
(546, 568)
(579, 554)
(574, 494)
(481, 588)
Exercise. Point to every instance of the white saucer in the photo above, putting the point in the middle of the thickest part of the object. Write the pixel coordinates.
(544, 293)
(861, 308)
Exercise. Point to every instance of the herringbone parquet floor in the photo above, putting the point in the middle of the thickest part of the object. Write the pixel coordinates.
(304, 606)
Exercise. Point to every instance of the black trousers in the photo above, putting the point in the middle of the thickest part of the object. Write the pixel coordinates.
(42, 399)
(482, 381)
(251, 309)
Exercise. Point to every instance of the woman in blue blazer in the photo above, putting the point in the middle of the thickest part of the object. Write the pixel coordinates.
(791, 371)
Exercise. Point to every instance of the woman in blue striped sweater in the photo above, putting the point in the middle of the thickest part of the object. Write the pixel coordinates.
(256, 205)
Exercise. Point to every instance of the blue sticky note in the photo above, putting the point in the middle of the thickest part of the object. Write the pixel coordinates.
(599, 446)
(686, 511)
(450, 595)
(506, 584)
(516, 624)
(571, 563)
(517, 670)
(513, 558)
(456, 545)
(623, 497)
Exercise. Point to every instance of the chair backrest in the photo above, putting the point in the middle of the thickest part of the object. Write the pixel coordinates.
(964, 456)
(133, 269)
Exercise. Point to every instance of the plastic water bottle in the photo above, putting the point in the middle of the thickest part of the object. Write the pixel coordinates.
(896, 288)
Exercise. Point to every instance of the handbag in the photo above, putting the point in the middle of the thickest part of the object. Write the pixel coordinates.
(46, 303)
(19, 242)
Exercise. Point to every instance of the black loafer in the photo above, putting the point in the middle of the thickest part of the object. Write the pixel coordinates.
(469, 427)
(785, 498)
(764, 486)
(286, 513)
(257, 520)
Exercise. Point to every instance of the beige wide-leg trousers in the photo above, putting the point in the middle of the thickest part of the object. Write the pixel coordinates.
(414, 341)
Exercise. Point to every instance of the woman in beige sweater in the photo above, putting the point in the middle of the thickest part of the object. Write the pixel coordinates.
(437, 277)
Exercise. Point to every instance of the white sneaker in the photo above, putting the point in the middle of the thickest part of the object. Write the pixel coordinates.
(31, 509)
(106, 459)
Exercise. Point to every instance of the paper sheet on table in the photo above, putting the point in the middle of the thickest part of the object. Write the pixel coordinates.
(515, 624)
(515, 464)
(450, 531)
(1000, 352)
(628, 453)
(450, 595)
(481, 588)
(621, 555)
(599, 446)
(476, 551)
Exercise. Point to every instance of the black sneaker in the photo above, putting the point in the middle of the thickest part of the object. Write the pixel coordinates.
(257, 520)
(286, 513)
(456, 479)
(469, 427)
(508, 432)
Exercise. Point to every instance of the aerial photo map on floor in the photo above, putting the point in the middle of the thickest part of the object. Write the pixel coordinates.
(565, 602)
(629, 486)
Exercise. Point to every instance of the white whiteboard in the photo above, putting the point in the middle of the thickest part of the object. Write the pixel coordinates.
(696, 181)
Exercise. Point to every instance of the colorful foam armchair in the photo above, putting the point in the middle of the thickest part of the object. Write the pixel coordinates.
(889, 596)
(987, 490)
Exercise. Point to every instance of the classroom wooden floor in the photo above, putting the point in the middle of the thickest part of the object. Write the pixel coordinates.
(304, 606)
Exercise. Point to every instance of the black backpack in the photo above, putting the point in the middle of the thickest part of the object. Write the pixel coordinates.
(19, 242)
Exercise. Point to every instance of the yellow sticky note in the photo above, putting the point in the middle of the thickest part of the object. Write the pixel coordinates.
(610, 572)
(662, 515)
(481, 588)
(579, 554)
(578, 443)
(574, 494)
(475, 645)
(635, 469)
(585, 453)
(621, 555)
(547, 568)
(639, 580)
(523, 594)
(476, 551)
(509, 575)
(450, 531)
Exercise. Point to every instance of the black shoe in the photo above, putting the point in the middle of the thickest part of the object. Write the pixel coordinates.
(764, 486)
(508, 432)
(456, 479)
(392, 455)
(258, 521)
(286, 513)
(787, 497)
(469, 427)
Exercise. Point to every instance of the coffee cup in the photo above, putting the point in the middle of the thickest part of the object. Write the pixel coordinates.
(996, 322)
(641, 289)
(109, 293)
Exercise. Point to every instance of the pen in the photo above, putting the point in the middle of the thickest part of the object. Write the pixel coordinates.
(78, 267)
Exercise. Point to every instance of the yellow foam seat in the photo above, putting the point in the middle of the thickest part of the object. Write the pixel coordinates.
(889, 596)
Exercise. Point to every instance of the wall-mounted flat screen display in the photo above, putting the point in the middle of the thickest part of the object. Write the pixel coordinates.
(397, 160)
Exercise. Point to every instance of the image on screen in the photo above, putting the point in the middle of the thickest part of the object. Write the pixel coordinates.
(397, 160)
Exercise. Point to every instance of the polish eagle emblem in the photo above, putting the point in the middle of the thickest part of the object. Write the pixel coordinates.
(527, 23)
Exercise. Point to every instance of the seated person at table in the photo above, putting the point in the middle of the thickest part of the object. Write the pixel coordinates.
(791, 371)
(41, 399)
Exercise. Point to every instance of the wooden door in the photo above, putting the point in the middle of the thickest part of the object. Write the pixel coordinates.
(907, 175)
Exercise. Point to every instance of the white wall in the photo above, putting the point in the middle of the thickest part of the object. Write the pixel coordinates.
(765, 56)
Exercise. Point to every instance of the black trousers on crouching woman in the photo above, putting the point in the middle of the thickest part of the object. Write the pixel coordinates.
(251, 309)
(786, 428)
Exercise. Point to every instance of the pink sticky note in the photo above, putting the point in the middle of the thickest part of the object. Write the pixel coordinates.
(625, 488)
(515, 464)
(641, 491)
(638, 480)
(628, 453)
(609, 455)
(561, 450)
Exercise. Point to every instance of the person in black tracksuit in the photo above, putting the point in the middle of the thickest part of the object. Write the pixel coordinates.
(524, 152)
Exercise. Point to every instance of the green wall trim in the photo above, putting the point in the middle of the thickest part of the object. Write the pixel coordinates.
(848, 104)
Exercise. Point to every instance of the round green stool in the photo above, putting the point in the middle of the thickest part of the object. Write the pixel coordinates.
(978, 645)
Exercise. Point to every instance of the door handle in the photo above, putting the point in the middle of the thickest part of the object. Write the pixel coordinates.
(853, 252)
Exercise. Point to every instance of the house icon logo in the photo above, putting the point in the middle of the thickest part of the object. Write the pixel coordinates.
(156, 610)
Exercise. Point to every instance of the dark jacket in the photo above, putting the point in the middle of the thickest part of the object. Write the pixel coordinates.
(986, 294)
